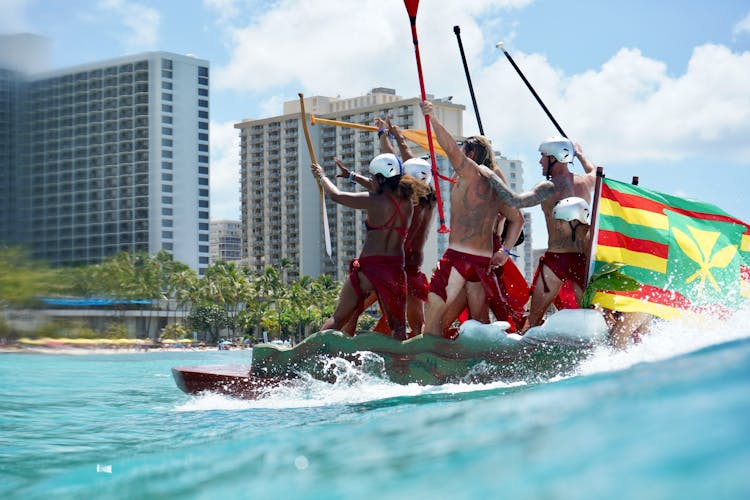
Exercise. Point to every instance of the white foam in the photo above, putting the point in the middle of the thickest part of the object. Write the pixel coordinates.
(668, 340)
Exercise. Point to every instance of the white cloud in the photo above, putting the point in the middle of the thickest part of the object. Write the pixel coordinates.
(141, 23)
(13, 16)
(344, 47)
(224, 175)
(742, 27)
(628, 110)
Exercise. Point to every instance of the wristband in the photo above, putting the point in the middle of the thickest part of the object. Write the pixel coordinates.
(381, 131)
(351, 177)
(509, 253)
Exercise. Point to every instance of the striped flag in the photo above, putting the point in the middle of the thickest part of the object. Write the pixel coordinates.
(687, 255)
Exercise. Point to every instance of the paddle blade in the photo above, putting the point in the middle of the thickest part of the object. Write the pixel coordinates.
(419, 137)
(411, 7)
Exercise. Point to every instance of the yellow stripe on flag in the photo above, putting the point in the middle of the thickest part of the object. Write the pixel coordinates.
(745, 243)
(633, 215)
(606, 253)
(629, 304)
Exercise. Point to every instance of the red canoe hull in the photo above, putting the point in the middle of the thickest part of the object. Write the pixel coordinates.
(233, 380)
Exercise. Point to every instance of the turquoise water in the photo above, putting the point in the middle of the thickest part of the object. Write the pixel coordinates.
(670, 418)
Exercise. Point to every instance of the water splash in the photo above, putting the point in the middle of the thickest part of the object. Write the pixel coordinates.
(670, 339)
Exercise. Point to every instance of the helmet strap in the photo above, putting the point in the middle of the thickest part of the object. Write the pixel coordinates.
(551, 160)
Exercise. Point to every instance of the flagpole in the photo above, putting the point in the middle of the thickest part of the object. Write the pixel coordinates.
(594, 230)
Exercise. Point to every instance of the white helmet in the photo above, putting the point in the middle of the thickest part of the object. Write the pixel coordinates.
(387, 165)
(573, 208)
(419, 168)
(559, 147)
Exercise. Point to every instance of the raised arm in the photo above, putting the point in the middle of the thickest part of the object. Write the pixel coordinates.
(458, 159)
(518, 200)
(359, 200)
(354, 177)
(383, 137)
(515, 226)
(403, 147)
(588, 166)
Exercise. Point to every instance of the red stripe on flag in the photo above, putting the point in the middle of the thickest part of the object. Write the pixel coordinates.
(648, 293)
(635, 201)
(744, 272)
(615, 239)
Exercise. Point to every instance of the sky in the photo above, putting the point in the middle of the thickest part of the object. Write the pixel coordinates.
(658, 90)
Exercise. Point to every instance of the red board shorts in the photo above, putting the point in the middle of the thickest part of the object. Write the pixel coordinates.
(388, 278)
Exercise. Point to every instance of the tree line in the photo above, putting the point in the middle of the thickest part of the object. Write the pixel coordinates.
(228, 297)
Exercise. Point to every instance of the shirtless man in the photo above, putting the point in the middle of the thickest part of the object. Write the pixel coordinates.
(567, 242)
(477, 198)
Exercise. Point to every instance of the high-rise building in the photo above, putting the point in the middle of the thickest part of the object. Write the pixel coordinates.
(513, 171)
(107, 157)
(226, 240)
(281, 208)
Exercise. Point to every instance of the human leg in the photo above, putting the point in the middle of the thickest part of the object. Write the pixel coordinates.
(542, 296)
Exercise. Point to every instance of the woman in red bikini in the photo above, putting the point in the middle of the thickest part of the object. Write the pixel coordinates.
(380, 266)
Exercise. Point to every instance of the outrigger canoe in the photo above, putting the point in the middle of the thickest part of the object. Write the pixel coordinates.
(481, 353)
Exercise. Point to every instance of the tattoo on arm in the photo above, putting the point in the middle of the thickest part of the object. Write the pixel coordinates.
(520, 200)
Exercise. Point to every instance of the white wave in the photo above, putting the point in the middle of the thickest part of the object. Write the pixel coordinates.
(354, 383)
(669, 339)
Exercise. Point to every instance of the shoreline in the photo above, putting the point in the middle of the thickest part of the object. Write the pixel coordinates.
(78, 351)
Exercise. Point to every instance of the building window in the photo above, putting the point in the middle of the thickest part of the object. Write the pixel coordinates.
(202, 80)
(167, 200)
(166, 96)
(203, 203)
(203, 125)
(203, 215)
(203, 114)
(167, 246)
(166, 165)
(202, 226)
(202, 237)
(203, 170)
(166, 64)
(166, 188)
(166, 73)
(203, 192)
(166, 177)
(203, 147)
(166, 154)
(202, 103)
(202, 159)
(166, 108)
(166, 223)
(166, 85)
(203, 248)
(166, 119)
(203, 92)
(166, 130)
(203, 260)
(166, 211)
(202, 71)
(202, 136)
(166, 235)
(166, 142)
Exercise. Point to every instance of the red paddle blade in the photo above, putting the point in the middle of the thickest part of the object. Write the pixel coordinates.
(411, 7)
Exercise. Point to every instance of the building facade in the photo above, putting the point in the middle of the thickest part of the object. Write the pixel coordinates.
(107, 157)
(280, 202)
(226, 240)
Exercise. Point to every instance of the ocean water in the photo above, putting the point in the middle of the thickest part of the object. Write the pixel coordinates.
(669, 418)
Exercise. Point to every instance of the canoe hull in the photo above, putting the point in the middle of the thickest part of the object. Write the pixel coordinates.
(232, 380)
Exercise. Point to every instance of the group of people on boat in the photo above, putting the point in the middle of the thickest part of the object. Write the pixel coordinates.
(485, 225)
